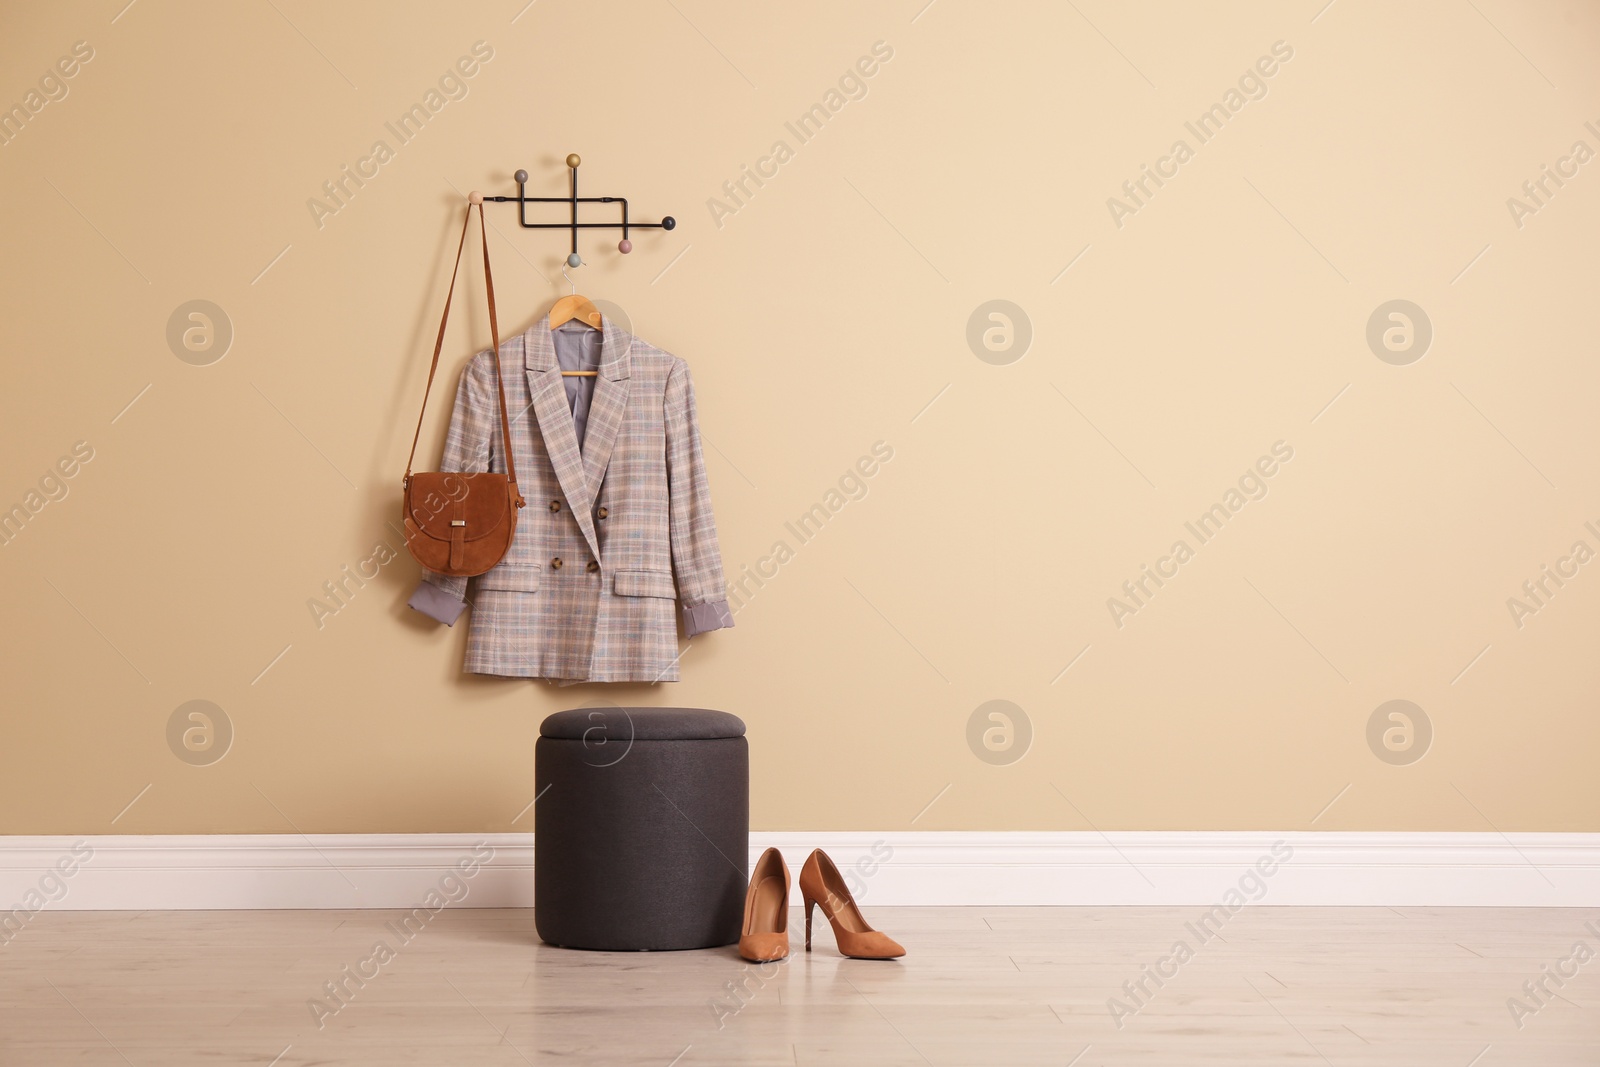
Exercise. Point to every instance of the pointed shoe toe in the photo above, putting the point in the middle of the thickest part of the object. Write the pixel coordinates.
(871, 945)
(764, 947)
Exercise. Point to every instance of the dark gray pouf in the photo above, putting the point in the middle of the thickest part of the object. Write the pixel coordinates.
(642, 828)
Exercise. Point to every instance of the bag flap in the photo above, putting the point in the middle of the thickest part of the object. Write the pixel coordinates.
(437, 500)
(644, 583)
(512, 578)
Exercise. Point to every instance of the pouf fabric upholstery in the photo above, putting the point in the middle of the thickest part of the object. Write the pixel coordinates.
(641, 828)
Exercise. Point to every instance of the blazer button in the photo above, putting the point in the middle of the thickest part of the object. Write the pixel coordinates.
(555, 505)
(602, 513)
(593, 567)
(555, 564)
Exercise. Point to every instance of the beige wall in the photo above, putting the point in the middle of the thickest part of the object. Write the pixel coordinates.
(825, 313)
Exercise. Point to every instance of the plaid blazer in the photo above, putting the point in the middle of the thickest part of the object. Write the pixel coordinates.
(614, 536)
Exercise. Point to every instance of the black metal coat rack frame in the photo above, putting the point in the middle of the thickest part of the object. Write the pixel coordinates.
(572, 199)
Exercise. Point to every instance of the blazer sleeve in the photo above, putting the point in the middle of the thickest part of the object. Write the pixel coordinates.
(469, 448)
(696, 559)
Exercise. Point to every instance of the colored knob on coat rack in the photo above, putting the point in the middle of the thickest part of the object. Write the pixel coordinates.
(668, 223)
(521, 176)
(624, 246)
(573, 160)
(474, 197)
(574, 260)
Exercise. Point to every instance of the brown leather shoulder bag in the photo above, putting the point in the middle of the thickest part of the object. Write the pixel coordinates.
(460, 523)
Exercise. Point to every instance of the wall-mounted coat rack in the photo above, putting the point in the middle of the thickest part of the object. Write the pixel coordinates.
(572, 199)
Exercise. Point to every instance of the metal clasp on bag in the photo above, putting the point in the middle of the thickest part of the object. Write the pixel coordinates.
(458, 522)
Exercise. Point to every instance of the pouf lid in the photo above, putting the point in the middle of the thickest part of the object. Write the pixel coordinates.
(641, 724)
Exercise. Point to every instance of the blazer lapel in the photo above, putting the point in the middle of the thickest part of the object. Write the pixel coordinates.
(555, 426)
(606, 407)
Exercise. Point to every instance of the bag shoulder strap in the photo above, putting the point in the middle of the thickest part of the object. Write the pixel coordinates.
(494, 332)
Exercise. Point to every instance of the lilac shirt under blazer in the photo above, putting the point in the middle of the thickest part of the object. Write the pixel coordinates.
(627, 513)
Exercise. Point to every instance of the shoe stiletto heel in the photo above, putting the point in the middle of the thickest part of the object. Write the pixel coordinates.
(821, 884)
(766, 911)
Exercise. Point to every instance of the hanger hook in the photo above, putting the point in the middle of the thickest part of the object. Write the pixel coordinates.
(569, 278)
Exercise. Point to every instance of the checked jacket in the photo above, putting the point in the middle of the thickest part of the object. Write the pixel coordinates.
(618, 537)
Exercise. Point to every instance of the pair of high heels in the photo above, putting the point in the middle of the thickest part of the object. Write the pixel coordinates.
(766, 911)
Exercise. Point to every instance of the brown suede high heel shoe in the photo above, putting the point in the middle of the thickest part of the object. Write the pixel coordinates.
(766, 910)
(821, 883)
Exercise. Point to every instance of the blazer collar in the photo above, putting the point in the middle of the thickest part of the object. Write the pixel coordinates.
(579, 472)
(616, 344)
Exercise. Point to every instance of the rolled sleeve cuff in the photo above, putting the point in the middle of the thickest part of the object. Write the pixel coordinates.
(713, 615)
(437, 604)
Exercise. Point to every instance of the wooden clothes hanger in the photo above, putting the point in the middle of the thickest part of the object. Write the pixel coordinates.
(575, 308)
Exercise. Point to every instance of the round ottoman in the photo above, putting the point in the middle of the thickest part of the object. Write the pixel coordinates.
(642, 828)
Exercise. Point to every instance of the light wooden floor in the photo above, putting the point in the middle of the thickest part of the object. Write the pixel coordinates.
(1371, 986)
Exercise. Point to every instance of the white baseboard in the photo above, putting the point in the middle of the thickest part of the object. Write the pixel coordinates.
(888, 868)
(1200, 867)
